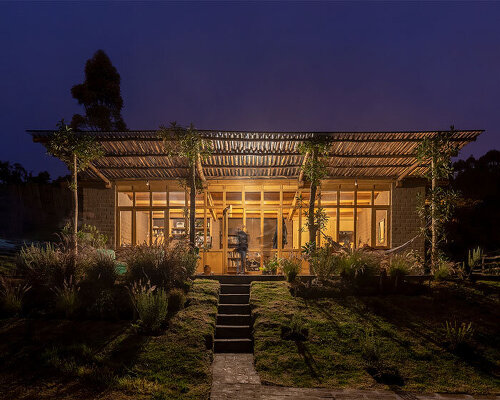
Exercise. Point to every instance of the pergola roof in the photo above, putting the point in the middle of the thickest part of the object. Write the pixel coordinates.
(141, 154)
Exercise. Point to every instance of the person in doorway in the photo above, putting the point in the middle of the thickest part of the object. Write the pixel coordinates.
(242, 248)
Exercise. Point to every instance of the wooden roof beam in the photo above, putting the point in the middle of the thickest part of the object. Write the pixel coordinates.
(407, 172)
(100, 175)
(264, 153)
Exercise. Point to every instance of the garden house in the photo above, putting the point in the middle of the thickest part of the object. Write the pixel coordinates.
(253, 180)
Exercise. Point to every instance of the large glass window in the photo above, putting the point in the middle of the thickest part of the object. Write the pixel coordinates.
(363, 227)
(142, 225)
(346, 227)
(125, 228)
(381, 227)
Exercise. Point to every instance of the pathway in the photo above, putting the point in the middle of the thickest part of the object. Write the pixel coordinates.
(235, 378)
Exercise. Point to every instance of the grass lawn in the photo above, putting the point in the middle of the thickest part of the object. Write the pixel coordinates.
(63, 359)
(407, 332)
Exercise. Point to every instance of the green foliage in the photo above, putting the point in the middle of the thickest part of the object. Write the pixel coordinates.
(298, 324)
(100, 95)
(12, 295)
(474, 258)
(358, 266)
(66, 143)
(324, 263)
(88, 235)
(290, 267)
(443, 270)
(370, 347)
(458, 335)
(166, 265)
(176, 300)
(399, 266)
(101, 270)
(315, 166)
(271, 266)
(151, 305)
(44, 264)
(66, 297)
(436, 208)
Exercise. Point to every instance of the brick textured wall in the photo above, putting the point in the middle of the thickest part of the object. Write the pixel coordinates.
(405, 221)
(99, 210)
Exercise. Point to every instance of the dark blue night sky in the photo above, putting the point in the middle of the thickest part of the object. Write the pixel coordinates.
(255, 66)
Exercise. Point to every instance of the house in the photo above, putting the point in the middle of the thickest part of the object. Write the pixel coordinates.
(253, 180)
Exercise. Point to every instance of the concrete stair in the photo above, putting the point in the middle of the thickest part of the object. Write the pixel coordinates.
(233, 333)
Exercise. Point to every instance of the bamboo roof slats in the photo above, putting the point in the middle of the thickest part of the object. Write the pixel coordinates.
(141, 154)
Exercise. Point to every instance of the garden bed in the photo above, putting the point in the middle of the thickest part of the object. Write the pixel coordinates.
(65, 359)
(378, 341)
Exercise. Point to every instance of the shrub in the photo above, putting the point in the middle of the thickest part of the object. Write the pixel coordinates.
(88, 235)
(101, 271)
(151, 306)
(66, 297)
(291, 268)
(399, 267)
(43, 264)
(167, 265)
(443, 271)
(271, 266)
(370, 348)
(358, 266)
(458, 336)
(323, 262)
(12, 296)
(176, 300)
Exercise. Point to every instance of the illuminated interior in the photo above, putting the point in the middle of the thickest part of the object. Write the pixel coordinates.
(357, 216)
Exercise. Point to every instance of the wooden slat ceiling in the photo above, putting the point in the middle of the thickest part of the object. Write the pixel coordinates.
(141, 155)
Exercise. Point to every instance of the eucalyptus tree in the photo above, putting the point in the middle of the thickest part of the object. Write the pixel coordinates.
(187, 143)
(437, 206)
(77, 150)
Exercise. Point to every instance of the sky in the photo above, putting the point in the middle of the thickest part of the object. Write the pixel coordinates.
(326, 66)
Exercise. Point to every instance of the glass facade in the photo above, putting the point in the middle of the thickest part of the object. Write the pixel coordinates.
(273, 215)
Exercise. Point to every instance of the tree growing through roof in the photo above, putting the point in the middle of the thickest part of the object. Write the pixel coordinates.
(314, 169)
(437, 206)
(77, 150)
(186, 142)
(100, 95)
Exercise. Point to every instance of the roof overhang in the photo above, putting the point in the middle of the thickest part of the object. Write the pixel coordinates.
(134, 155)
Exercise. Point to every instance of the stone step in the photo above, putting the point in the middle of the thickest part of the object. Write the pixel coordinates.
(234, 288)
(233, 319)
(234, 309)
(232, 332)
(233, 346)
(234, 298)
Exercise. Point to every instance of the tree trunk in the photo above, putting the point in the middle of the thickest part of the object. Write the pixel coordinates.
(192, 206)
(75, 220)
(312, 201)
(434, 250)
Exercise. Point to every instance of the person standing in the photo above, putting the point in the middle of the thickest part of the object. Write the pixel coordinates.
(242, 248)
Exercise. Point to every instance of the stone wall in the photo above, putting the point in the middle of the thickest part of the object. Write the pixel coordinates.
(99, 210)
(406, 223)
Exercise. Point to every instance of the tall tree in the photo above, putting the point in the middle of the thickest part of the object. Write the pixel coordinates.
(188, 144)
(436, 209)
(100, 95)
(77, 150)
(314, 169)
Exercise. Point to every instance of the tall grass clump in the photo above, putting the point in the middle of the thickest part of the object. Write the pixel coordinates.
(458, 336)
(358, 266)
(150, 304)
(323, 263)
(12, 294)
(66, 297)
(399, 267)
(291, 268)
(167, 265)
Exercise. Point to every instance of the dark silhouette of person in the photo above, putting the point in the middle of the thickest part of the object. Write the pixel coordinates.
(242, 248)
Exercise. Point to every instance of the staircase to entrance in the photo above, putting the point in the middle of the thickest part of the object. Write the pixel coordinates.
(233, 331)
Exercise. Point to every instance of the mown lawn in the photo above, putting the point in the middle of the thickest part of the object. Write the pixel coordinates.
(41, 359)
(407, 332)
